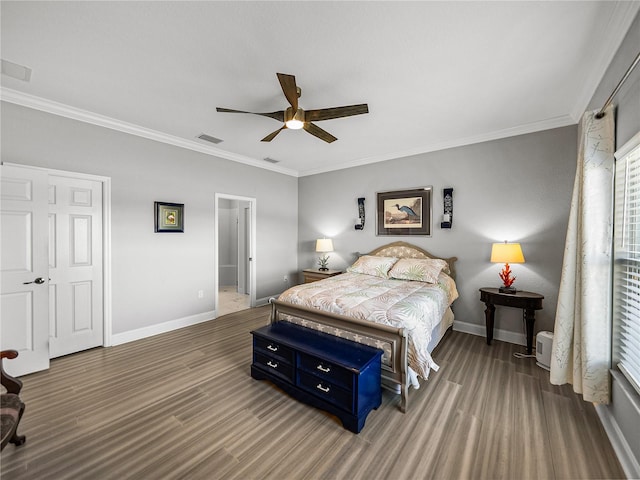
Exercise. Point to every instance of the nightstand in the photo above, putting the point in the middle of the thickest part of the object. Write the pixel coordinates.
(315, 274)
(527, 301)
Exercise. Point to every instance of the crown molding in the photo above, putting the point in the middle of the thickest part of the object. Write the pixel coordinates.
(56, 108)
(555, 122)
(60, 109)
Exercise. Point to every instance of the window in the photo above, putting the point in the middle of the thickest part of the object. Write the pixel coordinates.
(626, 288)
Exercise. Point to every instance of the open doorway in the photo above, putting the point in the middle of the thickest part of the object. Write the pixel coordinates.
(234, 259)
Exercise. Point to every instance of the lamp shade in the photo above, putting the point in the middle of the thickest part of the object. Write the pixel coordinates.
(324, 245)
(506, 253)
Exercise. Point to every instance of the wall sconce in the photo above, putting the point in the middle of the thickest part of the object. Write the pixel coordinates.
(324, 245)
(360, 220)
(507, 253)
(447, 217)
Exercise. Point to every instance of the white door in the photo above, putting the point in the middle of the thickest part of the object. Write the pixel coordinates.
(24, 298)
(75, 265)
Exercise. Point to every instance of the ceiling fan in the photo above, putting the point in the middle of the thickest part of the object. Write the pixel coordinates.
(295, 118)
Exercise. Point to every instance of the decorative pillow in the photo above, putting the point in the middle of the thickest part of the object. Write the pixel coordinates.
(372, 265)
(419, 270)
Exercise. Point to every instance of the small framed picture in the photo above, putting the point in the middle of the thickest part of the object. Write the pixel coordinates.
(404, 212)
(169, 217)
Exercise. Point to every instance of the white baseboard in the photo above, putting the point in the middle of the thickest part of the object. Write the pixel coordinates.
(140, 333)
(481, 331)
(619, 421)
(618, 442)
(263, 301)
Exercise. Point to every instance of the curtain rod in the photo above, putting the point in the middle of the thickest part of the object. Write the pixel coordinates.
(600, 114)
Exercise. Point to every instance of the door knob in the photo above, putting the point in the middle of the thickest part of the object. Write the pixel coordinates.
(38, 281)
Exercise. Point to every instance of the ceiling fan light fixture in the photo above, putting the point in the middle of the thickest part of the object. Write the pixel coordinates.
(296, 118)
(297, 121)
(294, 124)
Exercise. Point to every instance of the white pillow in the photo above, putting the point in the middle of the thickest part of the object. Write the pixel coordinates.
(372, 265)
(417, 269)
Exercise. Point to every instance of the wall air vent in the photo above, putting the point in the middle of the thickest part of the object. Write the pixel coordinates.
(16, 71)
(208, 138)
(270, 160)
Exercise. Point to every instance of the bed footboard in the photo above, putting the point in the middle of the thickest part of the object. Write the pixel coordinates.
(393, 341)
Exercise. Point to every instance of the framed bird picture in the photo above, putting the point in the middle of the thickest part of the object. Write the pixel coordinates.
(404, 212)
(169, 217)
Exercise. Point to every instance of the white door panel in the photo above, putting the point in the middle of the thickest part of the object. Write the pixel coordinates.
(18, 333)
(75, 264)
(24, 294)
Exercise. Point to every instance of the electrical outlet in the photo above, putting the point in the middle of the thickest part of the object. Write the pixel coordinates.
(200, 294)
(286, 279)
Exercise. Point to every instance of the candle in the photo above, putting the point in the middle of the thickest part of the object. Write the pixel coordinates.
(446, 218)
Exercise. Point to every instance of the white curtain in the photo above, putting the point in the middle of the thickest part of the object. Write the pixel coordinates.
(582, 337)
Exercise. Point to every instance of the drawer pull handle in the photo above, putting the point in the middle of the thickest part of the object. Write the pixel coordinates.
(323, 369)
(272, 365)
(324, 389)
(272, 348)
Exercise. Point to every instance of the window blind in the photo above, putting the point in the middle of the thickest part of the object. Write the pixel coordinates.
(626, 288)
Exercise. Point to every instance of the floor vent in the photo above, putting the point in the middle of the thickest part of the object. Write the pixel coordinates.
(208, 138)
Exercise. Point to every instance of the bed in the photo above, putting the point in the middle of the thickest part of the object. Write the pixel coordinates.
(397, 298)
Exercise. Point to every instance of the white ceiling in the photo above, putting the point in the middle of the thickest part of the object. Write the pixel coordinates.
(434, 74)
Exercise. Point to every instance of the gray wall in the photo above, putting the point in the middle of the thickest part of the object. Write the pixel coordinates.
(515, 189)
(625, 406)
(148, 268)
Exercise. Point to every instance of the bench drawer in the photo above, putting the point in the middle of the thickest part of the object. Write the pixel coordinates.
(327, 371)
(272, 348)
(274, 366)
(333, 394)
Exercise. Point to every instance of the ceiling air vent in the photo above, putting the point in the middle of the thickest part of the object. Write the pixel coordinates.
(208, 138)
(16, 71)
(270, 160)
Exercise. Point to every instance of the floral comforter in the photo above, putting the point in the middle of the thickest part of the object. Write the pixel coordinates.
(415, 306)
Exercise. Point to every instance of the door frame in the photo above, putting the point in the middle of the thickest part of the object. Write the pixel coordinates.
(252, 247)
(107, 315)
(244, 229)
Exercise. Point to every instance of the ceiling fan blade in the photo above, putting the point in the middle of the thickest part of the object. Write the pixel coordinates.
(335, 112)
(279, 115)
(289, 88)
(318, 132)
(272, 135)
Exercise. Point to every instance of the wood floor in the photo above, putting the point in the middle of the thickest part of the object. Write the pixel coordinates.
(183, 405)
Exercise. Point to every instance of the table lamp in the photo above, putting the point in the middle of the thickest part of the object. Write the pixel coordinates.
(507, 253)
(324, 245)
